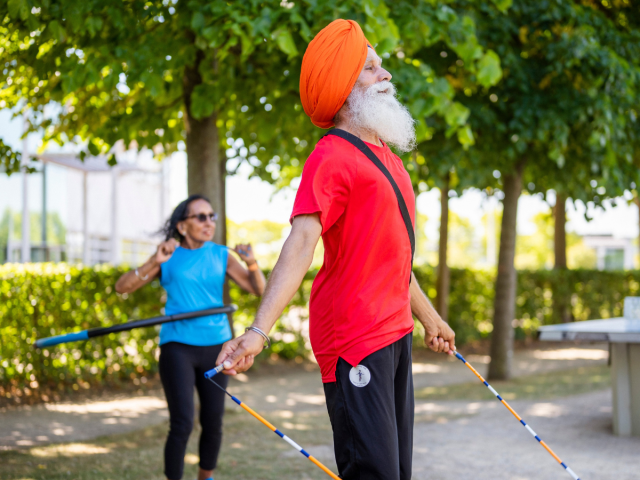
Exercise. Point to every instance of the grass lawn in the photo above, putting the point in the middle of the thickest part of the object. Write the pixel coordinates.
(250, 451)
(542, 386)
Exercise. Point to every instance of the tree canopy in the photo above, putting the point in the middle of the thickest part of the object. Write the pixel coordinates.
(564, 116)
(116, 70)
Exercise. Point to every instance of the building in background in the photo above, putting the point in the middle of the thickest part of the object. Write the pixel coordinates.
(612, 253)
(102, 213)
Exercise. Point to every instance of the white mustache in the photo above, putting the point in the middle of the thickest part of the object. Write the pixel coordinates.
(385, 87)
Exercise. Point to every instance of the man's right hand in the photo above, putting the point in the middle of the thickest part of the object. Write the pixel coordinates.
(238, 354)
(165, 250)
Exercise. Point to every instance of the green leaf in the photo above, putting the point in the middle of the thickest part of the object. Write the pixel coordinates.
(94, 25)
(465, 137)
(502, 5)
(197, 21)
(417, 107)
(112, 160)
(456, 114)
(93, 149)
(386, 45)
(202, 102)
(379, 28)
(19, 9)
(285, 42)
(56, 31)
(489, 70)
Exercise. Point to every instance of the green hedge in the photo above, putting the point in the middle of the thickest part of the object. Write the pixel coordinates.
(41, 300)
(587, 294)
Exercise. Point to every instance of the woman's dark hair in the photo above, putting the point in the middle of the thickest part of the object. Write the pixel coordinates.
(170, 228)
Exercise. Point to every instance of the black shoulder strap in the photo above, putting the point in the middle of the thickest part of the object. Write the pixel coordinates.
(360, 145)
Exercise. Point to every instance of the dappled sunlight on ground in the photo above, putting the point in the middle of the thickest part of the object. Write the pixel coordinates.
(130, 407)
(191, 459)
(484, 359)
(308, 399)
(548, 410)
(296, 426)
(426, 368)
(69, 450)
(571, 354)
(284, 414)
(63, 422)
(321, 452)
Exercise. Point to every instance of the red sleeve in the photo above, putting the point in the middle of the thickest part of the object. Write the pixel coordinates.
(326, 183)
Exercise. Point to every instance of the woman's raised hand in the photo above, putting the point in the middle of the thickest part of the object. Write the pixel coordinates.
(165, 250)
(245, 252)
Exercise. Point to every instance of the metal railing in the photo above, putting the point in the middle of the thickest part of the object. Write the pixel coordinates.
(132, 251)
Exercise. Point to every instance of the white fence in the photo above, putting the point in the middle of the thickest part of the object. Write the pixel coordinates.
(131, 251)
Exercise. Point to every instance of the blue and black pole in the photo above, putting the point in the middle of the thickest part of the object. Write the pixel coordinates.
(123, 327)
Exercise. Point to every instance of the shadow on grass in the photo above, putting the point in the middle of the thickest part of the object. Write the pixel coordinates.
(533, 387)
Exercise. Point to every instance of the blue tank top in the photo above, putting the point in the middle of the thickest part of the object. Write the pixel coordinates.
(194, 280)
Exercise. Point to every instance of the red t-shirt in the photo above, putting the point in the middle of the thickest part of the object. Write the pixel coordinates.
(360, 298)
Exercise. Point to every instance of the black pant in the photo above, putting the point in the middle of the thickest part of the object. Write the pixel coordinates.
(373, 424)
(181, 368)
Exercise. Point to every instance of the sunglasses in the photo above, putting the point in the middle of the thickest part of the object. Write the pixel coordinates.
(202, 217)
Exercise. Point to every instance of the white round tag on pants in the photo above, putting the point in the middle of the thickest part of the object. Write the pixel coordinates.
(360, 376)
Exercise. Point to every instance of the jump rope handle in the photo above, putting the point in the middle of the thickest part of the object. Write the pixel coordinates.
(214, 371)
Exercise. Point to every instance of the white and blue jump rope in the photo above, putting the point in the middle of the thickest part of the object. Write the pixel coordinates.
(95, 332)
(502, 400)
(211, 373)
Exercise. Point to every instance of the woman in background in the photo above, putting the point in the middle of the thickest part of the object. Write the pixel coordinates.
(192, 269)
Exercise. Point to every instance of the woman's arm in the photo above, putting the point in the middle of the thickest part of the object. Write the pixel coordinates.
(252, 279)
(130, 281)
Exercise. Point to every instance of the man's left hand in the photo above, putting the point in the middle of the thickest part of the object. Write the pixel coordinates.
(439, 337)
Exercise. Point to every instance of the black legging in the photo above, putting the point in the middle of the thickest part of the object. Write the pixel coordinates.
(181, 367)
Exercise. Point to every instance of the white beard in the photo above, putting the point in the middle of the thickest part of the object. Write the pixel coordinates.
(382, 114)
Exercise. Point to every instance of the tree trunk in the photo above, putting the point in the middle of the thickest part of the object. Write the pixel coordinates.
(561, 296)
(206, 166)
(506, 281)
(560, 234)
(206, 161)
(442, 285)
(637, 200)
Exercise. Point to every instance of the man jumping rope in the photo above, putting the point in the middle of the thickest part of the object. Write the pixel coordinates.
(356, 194)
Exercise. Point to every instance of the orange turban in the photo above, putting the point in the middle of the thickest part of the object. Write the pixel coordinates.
(330, 67)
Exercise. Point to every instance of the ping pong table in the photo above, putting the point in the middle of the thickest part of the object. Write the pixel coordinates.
(623, 335)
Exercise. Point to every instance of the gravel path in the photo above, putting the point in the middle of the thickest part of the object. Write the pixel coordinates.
(482, 441)
(489, 444)
(478, 440)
